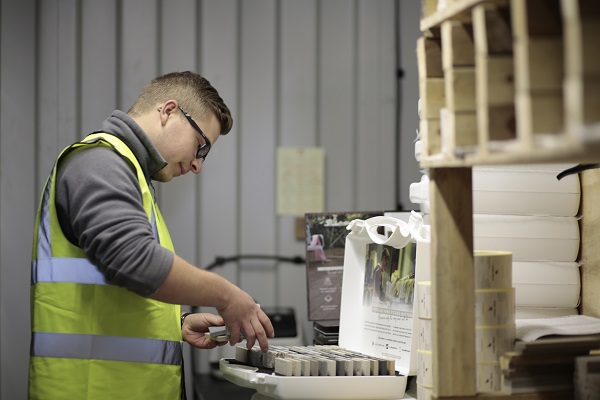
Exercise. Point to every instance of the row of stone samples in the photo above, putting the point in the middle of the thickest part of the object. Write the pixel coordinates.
(315, 361)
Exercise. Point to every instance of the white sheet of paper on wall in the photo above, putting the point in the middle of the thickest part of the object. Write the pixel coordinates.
(300, 180)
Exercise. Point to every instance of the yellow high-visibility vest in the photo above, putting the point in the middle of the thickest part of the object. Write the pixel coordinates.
(91, 339)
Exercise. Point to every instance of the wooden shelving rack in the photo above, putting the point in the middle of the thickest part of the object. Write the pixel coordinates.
(501, 82)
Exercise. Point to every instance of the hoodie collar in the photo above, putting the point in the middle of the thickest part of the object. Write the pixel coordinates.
(125, 128)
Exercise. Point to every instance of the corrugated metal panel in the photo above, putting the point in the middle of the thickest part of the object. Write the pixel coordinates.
(17, 194)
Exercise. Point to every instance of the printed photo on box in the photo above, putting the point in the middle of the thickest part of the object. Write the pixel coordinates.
(389, 276)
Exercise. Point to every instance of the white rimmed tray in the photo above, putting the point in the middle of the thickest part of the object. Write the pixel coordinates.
(271, 386)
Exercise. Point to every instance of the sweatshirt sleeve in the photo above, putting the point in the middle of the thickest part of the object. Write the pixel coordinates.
(100, 209)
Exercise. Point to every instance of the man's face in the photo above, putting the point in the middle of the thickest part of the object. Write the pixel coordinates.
(179, 143)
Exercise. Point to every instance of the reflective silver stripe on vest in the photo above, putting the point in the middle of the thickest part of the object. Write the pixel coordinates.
(71, 270)
(44, 250)
(109, 348)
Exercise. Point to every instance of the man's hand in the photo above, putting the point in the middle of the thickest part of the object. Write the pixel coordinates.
(186, 284)
(242, 314)
(194, 327)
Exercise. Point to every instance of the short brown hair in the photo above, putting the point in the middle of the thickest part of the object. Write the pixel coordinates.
(194, 93)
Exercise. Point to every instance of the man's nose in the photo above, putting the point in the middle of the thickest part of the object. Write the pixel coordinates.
(197, 165)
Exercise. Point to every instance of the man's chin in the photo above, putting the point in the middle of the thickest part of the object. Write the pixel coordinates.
(160, 176)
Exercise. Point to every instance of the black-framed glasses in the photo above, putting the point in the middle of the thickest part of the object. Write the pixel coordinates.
(203, 149)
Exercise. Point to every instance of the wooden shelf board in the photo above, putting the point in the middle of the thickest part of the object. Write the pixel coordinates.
(583, 153)
(454, 10)
(562, 395)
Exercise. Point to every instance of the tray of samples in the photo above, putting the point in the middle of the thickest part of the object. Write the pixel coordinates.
(314, 372)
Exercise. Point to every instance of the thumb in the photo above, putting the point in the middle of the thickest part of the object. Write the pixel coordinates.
(215, 320)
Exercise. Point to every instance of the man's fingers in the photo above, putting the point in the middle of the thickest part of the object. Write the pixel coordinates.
(261, 335)
(234, 335)
(266, 324)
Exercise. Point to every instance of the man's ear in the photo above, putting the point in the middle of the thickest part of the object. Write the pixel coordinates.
(170, 106)
(167, 109)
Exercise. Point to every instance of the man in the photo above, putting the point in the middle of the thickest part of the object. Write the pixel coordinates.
(106, 283)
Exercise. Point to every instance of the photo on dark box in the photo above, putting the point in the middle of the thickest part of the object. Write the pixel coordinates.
(325, 242)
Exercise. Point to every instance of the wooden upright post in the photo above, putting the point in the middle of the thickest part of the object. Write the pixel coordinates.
(452, 279)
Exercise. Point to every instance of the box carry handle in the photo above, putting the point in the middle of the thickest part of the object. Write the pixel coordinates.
(401, 232)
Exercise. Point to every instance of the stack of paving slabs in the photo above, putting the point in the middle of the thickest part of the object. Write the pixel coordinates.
(558, 365)
(527, 210)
